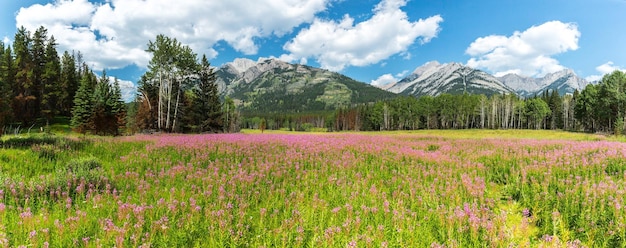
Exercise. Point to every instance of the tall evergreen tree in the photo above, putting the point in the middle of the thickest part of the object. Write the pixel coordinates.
(119, 107)
(51, 90)
(102, 119)
(207, 107)
(6, 112)
(68, 83)
(83, 105)
(39, 56)
(24, 89)
(556, 107)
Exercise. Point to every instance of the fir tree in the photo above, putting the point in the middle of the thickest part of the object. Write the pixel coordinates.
(24, 87)
(83, 105)
(207, 107)
(68, 83)
(119, 107)
(6, 113)
(50, 80)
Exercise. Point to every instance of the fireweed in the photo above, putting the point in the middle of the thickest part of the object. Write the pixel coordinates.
(316, 190)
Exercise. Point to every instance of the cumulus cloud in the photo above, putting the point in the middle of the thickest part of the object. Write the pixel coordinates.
(384, 80)
(128, 90)
(114, 33)
(604, 69)
(337, 44)
(387, 79)
(528, 53)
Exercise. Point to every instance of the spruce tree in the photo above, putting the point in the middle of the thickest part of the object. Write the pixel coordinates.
(39, 60)
(51, 90)
(68, 83)
(208, 108)
(6, 113)
(119, 107)
(24, 88)
(83, 105)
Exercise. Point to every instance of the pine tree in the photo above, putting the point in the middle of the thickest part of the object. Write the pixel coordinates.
(83, 105)
(102, 119)
(51, 90)
(68, 83)
(24, 89)
(39, 60)
(6, 112)
(208, 108)
(119, 107)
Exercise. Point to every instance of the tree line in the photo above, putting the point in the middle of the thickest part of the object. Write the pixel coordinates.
(38, 86)
(177, 94)
(597, 108)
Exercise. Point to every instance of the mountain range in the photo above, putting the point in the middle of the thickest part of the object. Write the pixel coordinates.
(271, 85)
(434, 78)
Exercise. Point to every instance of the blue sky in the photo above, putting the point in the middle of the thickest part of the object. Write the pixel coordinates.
(374, 41)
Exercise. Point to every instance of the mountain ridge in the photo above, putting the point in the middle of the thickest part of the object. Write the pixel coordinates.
(272, 85)
(434, 78)
(275, 85)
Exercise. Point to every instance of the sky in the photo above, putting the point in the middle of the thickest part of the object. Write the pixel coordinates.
(373, 41)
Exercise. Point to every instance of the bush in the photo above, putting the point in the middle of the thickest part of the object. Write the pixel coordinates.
(34, 140)
(75, 180)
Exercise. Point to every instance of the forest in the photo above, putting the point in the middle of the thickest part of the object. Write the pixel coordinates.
(597, 108)
(178, 93)
(38, 87)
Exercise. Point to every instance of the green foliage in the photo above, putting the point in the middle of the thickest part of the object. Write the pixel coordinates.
(205, 111)
(83, 105)
(602, 107)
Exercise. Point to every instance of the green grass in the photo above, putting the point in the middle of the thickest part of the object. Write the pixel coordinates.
(458, 188)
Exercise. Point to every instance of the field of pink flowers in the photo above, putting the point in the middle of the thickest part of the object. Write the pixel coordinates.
(314, 190)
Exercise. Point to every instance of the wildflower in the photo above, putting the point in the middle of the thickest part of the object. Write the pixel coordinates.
(526, 212)
(352, 244)
(335, 210)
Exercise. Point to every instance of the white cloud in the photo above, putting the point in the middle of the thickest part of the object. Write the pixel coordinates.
(129, 90)
(384, 80)
(609, 67)
(6, 40)
(528, 53)
(387, 79)
(604, 69)
(337, 44)
(114, 33)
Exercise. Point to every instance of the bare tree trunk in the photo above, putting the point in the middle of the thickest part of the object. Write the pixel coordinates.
(176, 109)
(160, 114)
(169, 103)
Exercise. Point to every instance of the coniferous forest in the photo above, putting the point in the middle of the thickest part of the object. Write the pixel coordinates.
(38, 86)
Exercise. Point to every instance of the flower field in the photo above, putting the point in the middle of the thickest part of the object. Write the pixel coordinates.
(312, 190)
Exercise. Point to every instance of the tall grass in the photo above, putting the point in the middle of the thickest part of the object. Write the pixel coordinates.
(417, 189)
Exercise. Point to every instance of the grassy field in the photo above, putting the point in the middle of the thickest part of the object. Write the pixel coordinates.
(461, 188)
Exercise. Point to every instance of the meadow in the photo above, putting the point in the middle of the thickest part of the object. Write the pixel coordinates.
(468, 188)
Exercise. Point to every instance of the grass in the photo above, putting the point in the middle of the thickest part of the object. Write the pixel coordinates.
(458, 188)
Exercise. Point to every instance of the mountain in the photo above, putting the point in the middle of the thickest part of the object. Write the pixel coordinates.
(564, 82)
(275, 86)
(434, 79)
